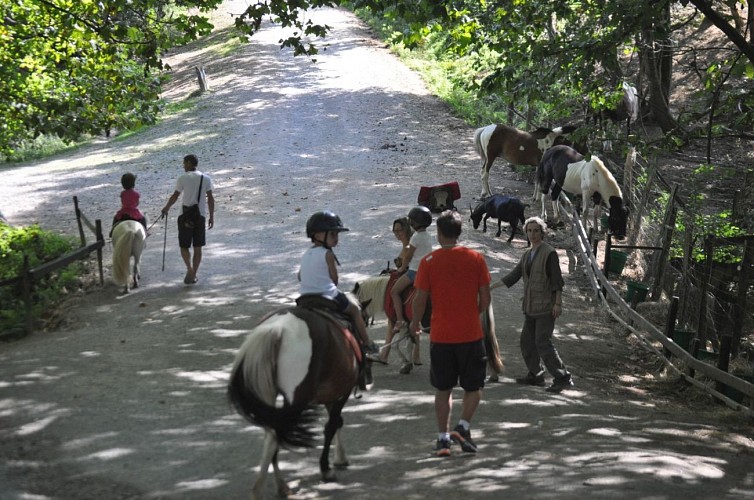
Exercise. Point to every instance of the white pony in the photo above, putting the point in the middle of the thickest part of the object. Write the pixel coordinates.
(128, 241)
(570, 172)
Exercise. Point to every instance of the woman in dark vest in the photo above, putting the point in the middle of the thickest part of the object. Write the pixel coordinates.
(542, 304)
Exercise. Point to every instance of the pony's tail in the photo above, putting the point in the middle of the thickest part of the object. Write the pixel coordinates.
(490, 340)
(478, 143)
(252, 392)
(122, 256)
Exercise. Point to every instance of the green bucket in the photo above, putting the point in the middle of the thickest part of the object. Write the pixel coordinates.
(683, 338)
(638, 289)
(617, 261)
(603, 222)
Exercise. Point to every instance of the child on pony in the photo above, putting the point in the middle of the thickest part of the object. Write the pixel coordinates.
(318, 273)
(129, 199)
(419, 246)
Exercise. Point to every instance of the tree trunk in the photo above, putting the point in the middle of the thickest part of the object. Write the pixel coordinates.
(656, 55)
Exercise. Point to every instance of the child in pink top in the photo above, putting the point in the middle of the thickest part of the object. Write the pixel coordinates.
(129, 199)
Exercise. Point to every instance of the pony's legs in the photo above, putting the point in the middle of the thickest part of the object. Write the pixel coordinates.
(334, 423)
(341, 460)
(555, 211)
(283, 490)
(269, 451)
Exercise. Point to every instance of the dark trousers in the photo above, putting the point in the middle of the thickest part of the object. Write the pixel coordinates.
(537, 347)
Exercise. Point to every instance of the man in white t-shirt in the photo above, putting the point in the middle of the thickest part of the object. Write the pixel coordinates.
(198, 200)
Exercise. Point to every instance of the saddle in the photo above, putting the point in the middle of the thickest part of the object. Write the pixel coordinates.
(328, 309)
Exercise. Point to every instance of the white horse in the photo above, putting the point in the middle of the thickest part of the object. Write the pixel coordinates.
(572, 173)
(128, 241)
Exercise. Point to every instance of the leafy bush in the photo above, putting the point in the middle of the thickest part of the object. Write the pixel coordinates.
(40, 247)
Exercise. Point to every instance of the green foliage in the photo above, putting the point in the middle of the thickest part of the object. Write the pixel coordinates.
(70, 68)
(40, 247)
(718, 224)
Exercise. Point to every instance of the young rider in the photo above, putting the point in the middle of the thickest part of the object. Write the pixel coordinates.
(420, 245)
(318, 273)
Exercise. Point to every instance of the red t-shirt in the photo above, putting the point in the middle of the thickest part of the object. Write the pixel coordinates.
(453, 277)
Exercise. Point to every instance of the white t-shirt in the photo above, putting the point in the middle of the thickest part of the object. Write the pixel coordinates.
(188, 184)
(422, 242)
(315, 275)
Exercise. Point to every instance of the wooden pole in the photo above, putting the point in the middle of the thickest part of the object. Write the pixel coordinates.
(608, 246)
(723, 359)
(670, 324)
(739, 311)
(100, 237)
(660, 260)
(701, 324)
(78, 221)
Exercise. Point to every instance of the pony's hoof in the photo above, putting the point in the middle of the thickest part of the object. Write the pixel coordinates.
(406, 368)
(328, 477)
(341, 465)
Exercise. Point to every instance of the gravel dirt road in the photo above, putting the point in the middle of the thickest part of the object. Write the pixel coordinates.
(127, 399)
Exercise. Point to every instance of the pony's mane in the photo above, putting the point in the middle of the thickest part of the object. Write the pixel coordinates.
(610, 183)
(374, 288)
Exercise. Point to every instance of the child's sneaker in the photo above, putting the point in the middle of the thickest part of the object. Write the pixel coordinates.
(442, 448)
(463, 437)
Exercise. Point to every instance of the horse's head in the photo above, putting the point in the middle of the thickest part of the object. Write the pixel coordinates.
(477, 213)
(617, 220)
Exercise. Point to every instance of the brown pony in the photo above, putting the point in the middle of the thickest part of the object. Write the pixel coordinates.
(515, 146)
(302, 357)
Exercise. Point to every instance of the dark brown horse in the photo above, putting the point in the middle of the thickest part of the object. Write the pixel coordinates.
(295, 359)
(515, 146)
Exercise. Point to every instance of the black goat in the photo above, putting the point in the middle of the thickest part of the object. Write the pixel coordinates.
(501, 207)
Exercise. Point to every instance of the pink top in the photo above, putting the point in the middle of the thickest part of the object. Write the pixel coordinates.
(129, 199)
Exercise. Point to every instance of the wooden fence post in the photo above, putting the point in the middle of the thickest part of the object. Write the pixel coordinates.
(701, 324)
(608, 246)
(743, 286)
(723, 358)
(201, 76)
(670, 324)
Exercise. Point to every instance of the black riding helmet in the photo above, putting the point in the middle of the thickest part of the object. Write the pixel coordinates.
(324, 221)
(420, 216)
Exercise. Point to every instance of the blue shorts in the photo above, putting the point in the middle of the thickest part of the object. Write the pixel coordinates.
(342, 301)
(411, 275)
(463, 364)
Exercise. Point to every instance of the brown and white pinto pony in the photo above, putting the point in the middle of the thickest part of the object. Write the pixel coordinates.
(515, 146)
(293, 360)
(567, 170)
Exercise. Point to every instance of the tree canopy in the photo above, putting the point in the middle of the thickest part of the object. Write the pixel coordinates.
(73, 67)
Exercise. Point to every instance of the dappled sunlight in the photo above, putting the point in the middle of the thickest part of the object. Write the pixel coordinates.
(208, 378)
(109, 454)
(658, 463)
(38, 425)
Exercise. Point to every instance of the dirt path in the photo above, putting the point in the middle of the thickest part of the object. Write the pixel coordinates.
(128, 399)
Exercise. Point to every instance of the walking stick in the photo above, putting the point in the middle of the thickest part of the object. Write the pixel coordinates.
(164, 242)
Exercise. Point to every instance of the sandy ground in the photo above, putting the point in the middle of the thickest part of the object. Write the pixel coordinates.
(127, 399)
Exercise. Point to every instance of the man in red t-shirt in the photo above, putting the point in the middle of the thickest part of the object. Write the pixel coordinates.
(457, 280)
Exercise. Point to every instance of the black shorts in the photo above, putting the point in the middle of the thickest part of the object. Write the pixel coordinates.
(458, 364)
(196, 236)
